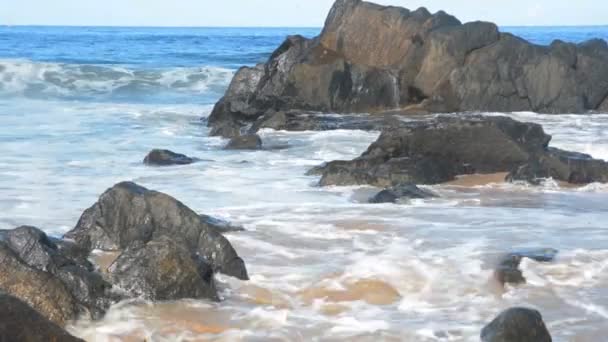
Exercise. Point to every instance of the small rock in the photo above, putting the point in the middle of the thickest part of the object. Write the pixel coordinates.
(20, 322)
(393, 194)
(508, 272)
(158, 157)
(516, 325)
(245, 142)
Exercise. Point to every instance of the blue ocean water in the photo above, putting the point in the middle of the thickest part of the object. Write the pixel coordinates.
(80, 107)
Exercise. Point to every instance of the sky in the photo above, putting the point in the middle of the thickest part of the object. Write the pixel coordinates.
(286, 13)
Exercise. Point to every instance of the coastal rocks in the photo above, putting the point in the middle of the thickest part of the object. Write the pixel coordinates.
(158, 157)
(163, 269)
(516, 325)
(437, 150)
(404, 191)
(371, 58)
(128, 213)
(34, 263)
(245, 142)
(20, 322)
(508, 272)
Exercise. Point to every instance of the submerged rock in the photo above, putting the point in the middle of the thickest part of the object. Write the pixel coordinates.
(35, 263)
(20, 322)
(158, 157)
(128, 213)
(516, 325)
(393, 194)
(163, 269)
(437, 150)
(245, 142)
(371, 58)
(508, 272)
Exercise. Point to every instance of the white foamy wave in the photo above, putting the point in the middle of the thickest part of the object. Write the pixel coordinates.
(40, 79)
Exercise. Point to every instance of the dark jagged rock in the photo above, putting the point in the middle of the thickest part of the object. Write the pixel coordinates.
(245, 142)
(128, 213)
(393, 194)
(20, 322)
(508, 272)
(163, 269)
(516, 325)
(40, 259)
(436, 151)
(158, 157)
(371, 58)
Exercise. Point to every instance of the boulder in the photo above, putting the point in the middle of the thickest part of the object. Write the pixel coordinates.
(38, 259)
(437, 150)
(158, 157)
(20, 322)
(372, 59)
(245, 142)
(508, 272)
(404, 191)
(163, 269)
(516, 325)
(128, 213)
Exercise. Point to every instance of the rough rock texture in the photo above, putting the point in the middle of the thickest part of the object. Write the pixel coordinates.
(404, 191)
(57, 281)
(372, 58)
(20, 322)
(245, 142)
(128, 213)
(516, 325)
(163, 269)
(508, 272)
(436, 151)
(158, 157)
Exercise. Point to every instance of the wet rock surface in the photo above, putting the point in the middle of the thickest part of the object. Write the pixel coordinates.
(371, 58)
(245, 142)
(517, 325)
(163, 269)
(437, 150)
(128, 213)
(508, 271)
(401, 192)
(20, 322)
(158, 157)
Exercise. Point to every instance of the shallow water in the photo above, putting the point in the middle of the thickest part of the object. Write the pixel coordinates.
(324, 265)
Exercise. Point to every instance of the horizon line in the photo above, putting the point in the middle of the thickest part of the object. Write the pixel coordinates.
(250, 27)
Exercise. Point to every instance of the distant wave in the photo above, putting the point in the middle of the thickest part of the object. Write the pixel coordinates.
(41, 79)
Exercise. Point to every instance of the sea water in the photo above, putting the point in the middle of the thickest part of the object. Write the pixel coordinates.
(81, 106)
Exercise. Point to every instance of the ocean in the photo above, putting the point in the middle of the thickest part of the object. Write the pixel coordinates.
(80, 107)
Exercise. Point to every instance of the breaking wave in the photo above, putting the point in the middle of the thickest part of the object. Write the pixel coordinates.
(55, 80)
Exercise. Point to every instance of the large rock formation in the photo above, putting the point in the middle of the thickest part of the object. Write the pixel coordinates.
(129, 213)
(54, 280)
(372, 58)
(436, 151)
(20, 322)
(516, 325)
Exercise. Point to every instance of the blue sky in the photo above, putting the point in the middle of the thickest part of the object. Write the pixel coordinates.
(309, 13)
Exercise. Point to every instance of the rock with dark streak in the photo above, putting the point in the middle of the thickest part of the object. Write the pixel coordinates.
(20, 322)
(516, 325)
(400, 192)
(373, 59)
(128, 213)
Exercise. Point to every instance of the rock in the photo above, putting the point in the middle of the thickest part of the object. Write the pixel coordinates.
(245, 142)
(20, 322)
(393, 194)
(158, 157)
(128, 213)
(163, 269)
(437, 150)
(516, 325)
(41, 259)
(508, 272)
(372, 59)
